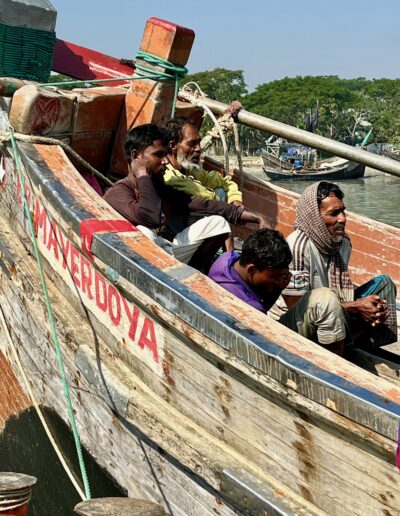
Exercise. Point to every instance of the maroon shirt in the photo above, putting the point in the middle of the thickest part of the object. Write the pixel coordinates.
(143, 200)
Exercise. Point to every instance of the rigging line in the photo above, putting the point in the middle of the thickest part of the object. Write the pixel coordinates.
(52, 320)
(45, 140)
(219, 128)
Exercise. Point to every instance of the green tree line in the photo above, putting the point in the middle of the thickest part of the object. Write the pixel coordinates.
(346, 106)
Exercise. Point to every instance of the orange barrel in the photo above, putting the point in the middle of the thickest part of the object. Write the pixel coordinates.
(15, 493)
(119, 507)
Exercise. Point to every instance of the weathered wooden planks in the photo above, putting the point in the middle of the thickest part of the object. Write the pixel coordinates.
(116, 445)
(240, 416)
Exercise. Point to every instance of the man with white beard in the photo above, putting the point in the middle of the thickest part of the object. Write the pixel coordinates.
(184, 171)
(321, 252)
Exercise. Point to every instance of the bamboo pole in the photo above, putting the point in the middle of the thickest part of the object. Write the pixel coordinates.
(299, 135)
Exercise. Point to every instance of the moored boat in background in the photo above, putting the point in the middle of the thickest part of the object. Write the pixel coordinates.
(184, 394)
(279, 164)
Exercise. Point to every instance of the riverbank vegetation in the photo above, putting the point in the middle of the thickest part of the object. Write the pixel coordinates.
(347, 108)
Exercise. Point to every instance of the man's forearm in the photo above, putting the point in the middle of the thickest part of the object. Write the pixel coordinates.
(351, 307)
(231, 213)
(250, 216)
(291, 300)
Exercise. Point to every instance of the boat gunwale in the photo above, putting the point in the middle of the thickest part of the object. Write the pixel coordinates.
(379, 413)
(351, 215)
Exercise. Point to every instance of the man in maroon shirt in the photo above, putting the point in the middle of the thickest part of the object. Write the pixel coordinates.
(144, 199)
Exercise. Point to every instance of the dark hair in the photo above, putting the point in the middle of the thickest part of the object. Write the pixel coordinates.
(142, 136)
(325, 189)
(266, 249)
(174, 128)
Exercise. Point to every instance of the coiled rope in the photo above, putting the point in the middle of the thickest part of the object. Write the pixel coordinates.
(25, 52)
(217, 127)
(51, 318)
(14, 499)
(222, 125)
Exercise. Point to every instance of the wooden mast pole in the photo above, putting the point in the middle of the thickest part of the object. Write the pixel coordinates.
(299, 135)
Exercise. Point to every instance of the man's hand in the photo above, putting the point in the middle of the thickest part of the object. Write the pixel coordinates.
(371, 309)
(249, 216)
(138, 168)
(233, 109)
(237, 203)
(263, 222)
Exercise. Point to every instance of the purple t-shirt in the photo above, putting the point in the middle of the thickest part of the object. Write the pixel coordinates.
(223, 273)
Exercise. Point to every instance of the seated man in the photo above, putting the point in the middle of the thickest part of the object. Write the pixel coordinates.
(259, 275)
(144, 199)
(184, 171)
(321, 252)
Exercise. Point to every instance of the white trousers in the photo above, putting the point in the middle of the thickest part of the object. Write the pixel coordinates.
(186, 243)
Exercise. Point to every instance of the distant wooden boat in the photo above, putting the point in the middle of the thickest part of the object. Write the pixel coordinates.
(184, 394)
(391, 154)
(303, 169)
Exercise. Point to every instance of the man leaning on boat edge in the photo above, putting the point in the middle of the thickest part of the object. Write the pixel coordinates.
(261, 273)
(162, 212)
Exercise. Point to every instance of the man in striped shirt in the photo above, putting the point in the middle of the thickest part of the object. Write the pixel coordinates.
(321, 252)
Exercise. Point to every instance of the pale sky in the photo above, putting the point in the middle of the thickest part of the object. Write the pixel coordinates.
(267, 40)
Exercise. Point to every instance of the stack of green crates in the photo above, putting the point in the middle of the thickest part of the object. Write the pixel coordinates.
(26, 53)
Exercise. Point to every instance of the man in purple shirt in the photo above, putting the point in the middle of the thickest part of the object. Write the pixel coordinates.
(259, 275)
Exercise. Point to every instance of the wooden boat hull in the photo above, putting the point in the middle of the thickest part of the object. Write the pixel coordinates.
(279, 170)
(201, 397)
(391, 155)
(184, 394)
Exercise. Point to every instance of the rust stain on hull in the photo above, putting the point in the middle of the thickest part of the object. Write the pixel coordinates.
(13, 400)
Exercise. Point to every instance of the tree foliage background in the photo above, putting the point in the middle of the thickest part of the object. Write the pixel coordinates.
(346, 106)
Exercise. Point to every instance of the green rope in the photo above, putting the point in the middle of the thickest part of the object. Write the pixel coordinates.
(173, 72)
(51, 319)
(92, 81)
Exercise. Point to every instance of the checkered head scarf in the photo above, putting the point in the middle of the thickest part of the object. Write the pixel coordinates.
(310, 222)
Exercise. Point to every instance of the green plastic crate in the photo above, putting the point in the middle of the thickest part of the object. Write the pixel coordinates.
(26, 53)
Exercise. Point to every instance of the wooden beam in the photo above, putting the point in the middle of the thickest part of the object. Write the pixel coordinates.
(85, 64)
(148, 101)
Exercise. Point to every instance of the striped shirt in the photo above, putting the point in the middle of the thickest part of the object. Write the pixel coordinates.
(309, 267)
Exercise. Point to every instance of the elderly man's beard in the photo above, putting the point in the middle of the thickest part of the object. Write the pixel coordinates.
(186, 164)
(338, 238)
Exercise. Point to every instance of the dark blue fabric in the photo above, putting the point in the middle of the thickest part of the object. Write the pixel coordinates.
(371, 287)
(383, 287)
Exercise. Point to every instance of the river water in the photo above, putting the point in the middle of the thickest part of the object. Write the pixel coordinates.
(376, 195)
